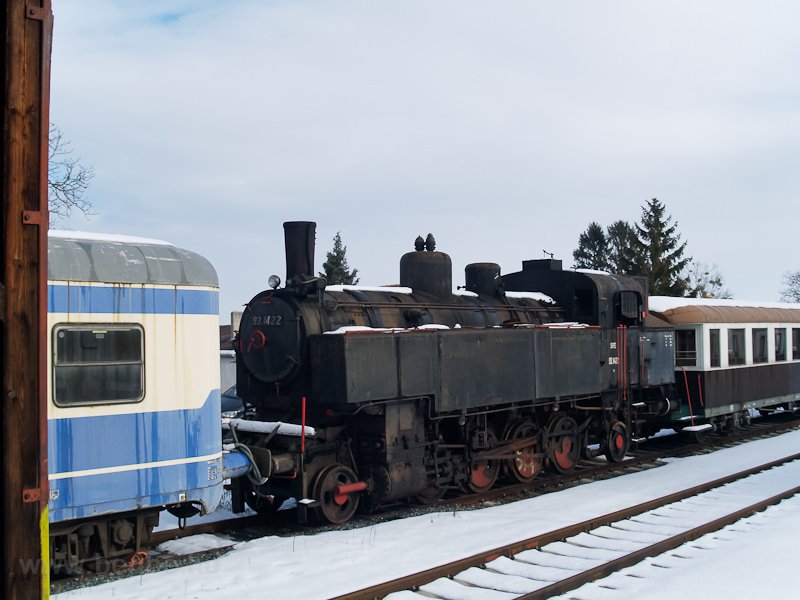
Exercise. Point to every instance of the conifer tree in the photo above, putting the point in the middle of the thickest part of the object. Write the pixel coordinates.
(659, 251)
(621, 239)
(592, 251)
(336, 269)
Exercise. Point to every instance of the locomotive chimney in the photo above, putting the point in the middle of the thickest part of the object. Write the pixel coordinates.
(300, 238)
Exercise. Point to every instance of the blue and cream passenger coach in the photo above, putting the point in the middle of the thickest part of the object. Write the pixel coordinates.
(133, 384)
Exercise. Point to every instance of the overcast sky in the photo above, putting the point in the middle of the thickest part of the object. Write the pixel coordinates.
(503, 128)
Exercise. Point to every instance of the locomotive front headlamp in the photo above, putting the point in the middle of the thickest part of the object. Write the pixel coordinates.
(274, 281)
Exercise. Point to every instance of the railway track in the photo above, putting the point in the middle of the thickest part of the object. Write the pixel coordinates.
(547, 565)
(646, 456)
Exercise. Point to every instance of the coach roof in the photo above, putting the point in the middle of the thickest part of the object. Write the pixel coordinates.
(679, 311)
(79, 256)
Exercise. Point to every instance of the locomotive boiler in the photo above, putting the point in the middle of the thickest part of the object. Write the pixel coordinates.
(367, 396)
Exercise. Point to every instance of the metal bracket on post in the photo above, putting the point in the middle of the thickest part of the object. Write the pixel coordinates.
(33, 495)
(35, 12)
(31, 217)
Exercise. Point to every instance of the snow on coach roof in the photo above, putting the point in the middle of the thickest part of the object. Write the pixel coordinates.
(717, 310)
(81, 256)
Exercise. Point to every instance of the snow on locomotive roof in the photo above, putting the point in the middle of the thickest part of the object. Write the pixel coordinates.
(719, 310)
(367, 288)
(104, 258)
(539, 296)
(363, 328)
(591, 271)
(105, 237)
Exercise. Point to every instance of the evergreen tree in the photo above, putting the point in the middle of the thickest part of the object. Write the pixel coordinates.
(592, 251)
(337, 271)
(621, 239)
(659, 251)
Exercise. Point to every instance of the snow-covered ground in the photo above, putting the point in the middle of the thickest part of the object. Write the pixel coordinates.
(749, 560)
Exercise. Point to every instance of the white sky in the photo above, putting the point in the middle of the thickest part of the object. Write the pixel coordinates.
(752, 561)
(502, 127)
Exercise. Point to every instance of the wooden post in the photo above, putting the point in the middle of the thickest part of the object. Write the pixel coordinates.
(26, 27)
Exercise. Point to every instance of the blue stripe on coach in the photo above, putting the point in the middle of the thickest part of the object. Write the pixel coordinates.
(82, 443)
(133, 490)
(130, 299)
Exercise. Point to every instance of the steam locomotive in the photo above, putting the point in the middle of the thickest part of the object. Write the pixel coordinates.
(370, 396)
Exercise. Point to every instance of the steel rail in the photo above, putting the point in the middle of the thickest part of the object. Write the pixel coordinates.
(451, 569)
(671, 543)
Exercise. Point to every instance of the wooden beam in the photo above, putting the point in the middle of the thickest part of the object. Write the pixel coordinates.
(27, 32)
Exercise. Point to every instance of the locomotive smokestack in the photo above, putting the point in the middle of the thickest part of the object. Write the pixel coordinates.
(300, 240)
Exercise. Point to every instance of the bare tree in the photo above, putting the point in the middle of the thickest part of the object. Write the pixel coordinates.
(705, 281)
(791, 286)
(67, 179)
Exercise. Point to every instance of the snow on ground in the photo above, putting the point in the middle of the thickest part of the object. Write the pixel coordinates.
(194, 543)
(749, 559)
(331, 563)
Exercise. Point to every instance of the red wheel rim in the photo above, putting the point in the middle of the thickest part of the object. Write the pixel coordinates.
(562, 454)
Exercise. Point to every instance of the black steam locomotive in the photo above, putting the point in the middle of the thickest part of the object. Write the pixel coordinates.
(366, 396)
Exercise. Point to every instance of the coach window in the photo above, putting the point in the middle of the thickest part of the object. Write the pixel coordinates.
(760, 346)
(736, 354)
(795, 343)
(714, 347)
(685, 348)
(98, 364)
(780, 344)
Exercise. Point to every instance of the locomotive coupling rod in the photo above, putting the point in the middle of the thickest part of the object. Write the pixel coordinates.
(342, 491)
(505, 449)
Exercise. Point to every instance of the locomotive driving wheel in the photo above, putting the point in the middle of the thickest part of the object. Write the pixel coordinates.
(563, 443)
(483, 473)
(527, 461)
(335, 507)
(616, 445)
